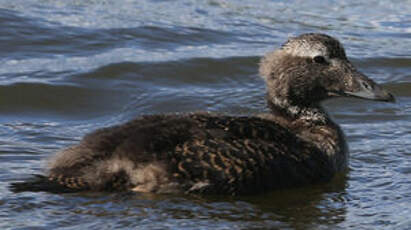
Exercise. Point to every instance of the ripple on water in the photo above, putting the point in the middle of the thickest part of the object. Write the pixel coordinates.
(69, 67)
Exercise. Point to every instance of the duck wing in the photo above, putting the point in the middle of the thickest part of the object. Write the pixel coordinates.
(245, 155)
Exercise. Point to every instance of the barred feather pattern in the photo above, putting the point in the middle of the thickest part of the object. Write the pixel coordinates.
(192, 153)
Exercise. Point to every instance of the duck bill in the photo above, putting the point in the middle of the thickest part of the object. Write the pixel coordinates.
(378, 94)
(365, 88)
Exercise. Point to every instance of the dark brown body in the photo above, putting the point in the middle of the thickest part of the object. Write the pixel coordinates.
(196, 153)
(295, 144)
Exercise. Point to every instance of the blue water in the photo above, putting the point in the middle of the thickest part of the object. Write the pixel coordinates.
(70, 67)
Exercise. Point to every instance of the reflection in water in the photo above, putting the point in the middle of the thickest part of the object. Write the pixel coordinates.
(294, 208)
(307, 207)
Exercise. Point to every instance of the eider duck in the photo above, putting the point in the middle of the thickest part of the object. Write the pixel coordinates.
(294, 144)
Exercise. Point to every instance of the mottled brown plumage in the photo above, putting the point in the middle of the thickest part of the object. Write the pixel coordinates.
(293, 145)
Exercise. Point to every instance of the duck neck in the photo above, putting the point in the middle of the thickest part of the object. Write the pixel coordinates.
(310, 114)
(312, 124)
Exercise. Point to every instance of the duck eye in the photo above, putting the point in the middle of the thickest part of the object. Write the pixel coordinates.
(319, 60)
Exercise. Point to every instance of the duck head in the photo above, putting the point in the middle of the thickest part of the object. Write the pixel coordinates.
(311, 68)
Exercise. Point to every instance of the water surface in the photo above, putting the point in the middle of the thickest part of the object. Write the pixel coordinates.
(69, 67)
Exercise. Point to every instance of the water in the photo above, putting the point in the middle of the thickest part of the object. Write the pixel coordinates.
(69, 67)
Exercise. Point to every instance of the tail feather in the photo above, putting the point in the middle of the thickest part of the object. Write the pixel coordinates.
(48, 184)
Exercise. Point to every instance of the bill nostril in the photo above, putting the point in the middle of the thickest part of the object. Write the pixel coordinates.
(367, 86)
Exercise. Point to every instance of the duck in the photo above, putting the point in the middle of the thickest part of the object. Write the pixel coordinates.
(295, 143)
